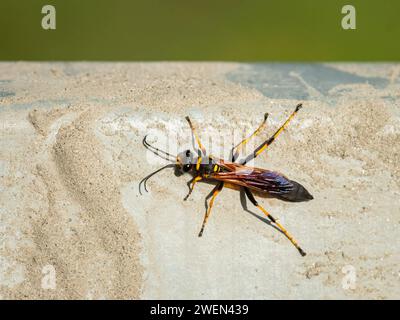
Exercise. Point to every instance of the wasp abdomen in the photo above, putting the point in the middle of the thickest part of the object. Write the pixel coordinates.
(297, 193)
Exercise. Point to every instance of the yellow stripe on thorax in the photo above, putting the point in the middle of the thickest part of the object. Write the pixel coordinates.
(198, 163)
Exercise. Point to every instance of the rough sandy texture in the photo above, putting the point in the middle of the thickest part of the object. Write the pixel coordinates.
(71, 158)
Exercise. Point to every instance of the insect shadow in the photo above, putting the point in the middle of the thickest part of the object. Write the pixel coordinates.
(243, 202)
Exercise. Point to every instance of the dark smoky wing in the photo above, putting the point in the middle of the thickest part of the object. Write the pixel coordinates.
(268, 181)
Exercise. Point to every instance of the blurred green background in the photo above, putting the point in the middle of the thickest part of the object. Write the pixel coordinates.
(234, 30)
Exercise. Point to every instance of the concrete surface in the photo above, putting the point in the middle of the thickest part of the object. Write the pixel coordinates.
(71, 158)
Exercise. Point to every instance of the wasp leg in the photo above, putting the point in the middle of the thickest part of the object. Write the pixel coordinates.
(236, 149)
(215, 192)
(191, 185)
(265, 144)
(275, 221)
(203, 150)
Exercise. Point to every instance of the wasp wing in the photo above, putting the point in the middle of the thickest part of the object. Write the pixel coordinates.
(254, 178)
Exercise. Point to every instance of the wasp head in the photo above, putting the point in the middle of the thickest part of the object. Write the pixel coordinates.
(184, 162)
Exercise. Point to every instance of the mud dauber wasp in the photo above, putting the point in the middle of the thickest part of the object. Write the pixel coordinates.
(205, 167)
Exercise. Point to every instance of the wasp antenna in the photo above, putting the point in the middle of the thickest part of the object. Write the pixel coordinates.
(144, 180)
(266, 116)
(145, 140)
(299, 106)
(140, 190)
(157, 151)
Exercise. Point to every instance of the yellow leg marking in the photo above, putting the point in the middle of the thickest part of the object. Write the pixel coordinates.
(198, 163)
(244, 141)
(287, 234)
(208, 212)
(279, 131)
(195, 180)
(196, 136)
